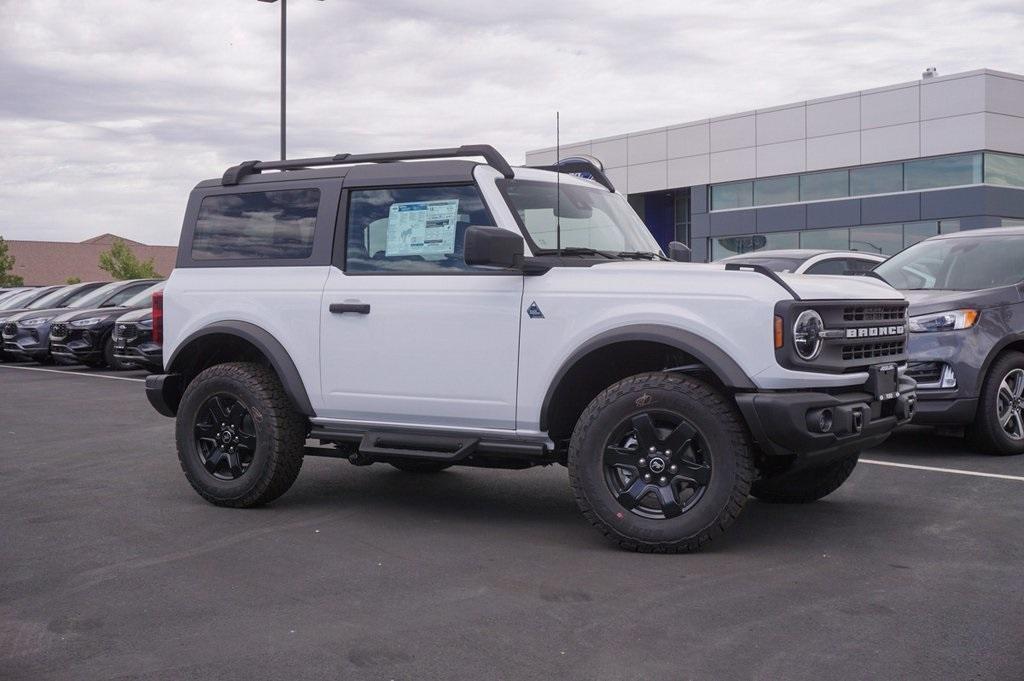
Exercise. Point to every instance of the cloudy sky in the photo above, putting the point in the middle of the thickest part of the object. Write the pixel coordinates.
(111, 110)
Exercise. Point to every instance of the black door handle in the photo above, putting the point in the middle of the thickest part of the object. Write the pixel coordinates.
(358, 308)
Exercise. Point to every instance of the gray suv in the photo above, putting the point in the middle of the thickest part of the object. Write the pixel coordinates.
(966, 293)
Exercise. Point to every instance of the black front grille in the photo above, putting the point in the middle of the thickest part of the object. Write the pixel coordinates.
(873, 351)
(59, 330)
(874, 313)
(125, 331)
(10, 329)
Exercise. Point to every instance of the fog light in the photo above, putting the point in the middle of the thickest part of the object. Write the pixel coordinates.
(948, 377)
(819, 420)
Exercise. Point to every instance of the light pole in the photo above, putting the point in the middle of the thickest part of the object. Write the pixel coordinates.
(284, 52)
(284, 71)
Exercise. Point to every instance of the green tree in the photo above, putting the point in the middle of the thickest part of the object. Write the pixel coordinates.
(122, 263)
(73, 280)
(6, 265)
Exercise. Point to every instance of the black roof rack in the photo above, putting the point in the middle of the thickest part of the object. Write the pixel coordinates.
(234, 174)
(587, 167)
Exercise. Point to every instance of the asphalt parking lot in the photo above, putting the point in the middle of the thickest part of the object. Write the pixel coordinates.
(112, 567)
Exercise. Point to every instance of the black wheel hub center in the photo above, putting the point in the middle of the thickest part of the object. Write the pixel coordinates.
(657, 465)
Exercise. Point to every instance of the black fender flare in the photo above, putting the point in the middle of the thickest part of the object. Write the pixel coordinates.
(266, 343)
(704, 351)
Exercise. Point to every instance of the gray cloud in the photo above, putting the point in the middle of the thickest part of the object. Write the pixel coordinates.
(111, 111)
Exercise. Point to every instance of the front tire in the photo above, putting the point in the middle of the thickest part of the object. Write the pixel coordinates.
(998, 427)
(807, 485)
(660, 462)
(240, 440)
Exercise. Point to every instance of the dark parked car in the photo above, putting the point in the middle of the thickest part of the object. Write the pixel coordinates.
(966, 318)
(134, 343)
(84, 336)
(27, 335)
(50, 297)
(810, 260)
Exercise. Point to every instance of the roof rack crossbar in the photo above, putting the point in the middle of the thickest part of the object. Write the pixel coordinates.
(493, 157)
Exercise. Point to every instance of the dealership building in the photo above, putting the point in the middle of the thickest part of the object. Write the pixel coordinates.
(874, 170)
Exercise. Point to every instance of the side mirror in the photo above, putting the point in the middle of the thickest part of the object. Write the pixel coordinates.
(492, 246)
(679, 251)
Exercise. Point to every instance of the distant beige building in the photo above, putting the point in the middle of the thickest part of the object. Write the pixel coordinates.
(53, 262)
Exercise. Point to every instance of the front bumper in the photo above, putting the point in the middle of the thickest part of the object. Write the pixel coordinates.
(75, 349)
(964, 352)
(25, 343)
(780, 423)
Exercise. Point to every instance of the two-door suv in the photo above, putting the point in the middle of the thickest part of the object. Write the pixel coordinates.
(421, 312)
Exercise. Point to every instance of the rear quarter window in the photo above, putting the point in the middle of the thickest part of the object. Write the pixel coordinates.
(270, 225)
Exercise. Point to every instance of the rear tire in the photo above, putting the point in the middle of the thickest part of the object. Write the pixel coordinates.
(660, 463)
(240, 440)
(1002, 395)
(806, 486)
(422, 467)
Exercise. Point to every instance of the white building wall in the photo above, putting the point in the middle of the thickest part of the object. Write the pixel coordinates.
(968, 111)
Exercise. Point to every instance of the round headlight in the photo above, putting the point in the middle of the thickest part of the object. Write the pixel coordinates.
(807, 334)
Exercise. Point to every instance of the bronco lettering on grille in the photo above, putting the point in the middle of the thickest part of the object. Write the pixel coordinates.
(875, 331)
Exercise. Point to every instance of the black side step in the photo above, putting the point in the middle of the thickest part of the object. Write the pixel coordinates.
(408, 446)
(454, 447)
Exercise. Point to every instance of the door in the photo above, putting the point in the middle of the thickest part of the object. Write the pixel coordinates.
(410, 334)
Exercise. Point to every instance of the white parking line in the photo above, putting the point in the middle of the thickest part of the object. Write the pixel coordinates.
(955, 471)
(72, 373)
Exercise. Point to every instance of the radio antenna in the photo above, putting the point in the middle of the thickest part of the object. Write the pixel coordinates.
(558, 184)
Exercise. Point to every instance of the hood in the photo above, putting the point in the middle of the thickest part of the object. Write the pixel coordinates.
(109, 312)
(807, 286)
(136, 315)
(928, 301)
(29, 314)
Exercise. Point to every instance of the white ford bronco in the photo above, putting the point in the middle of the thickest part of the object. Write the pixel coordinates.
(424, 310)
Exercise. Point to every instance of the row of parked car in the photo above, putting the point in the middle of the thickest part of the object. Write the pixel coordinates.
(966, 323)
(92, 323)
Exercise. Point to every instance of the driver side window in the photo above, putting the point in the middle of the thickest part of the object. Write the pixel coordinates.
(412, 230)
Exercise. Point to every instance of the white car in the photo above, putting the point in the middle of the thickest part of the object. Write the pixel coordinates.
(419, 312)
(811, 261)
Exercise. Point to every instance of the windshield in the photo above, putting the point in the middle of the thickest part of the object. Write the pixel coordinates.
(144, 297)
(53, 299)
(96, 297)
(774, 264)
(17, 300)
(957, 264)
(590, 217)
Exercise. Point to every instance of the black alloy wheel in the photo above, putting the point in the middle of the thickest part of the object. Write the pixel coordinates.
(657, 464)
(225, 437)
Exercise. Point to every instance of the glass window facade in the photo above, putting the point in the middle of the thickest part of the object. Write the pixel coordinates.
(732, 195)
(771, 190)
(1004, 169)
(734, 245)
(927, 173)
(883, 239)
(876, 179)
(946, 171)
(833, 184)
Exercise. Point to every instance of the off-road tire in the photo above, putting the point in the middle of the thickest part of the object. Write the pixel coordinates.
(985, 432)
(719, 424)
(807, 485)
(422, 467)
(280, 435)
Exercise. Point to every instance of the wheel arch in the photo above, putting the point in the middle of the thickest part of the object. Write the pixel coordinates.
(233, 340)
(616, 354)
(1014, 342)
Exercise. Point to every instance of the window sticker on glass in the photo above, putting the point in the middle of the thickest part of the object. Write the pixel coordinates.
(422, 228)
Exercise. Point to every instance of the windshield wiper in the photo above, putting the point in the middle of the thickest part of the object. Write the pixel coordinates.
(575, 250)
(641, 255)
